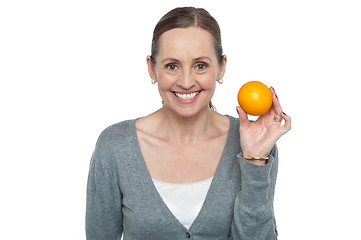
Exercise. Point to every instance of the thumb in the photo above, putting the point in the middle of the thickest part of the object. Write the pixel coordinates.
(243, 118)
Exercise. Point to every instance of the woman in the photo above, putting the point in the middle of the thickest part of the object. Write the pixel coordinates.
(186, 171)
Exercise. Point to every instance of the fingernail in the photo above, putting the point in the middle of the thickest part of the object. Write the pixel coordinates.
(284, 113)
(274, 92)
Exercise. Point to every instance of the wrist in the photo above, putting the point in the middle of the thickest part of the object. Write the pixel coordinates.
(256, 160)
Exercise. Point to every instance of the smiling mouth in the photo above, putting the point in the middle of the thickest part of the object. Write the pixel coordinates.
(186, 96)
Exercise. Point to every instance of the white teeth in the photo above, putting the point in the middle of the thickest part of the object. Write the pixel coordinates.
(187, 96)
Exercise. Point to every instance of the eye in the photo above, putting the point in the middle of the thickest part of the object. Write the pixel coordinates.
(201, 66)
(171, 66)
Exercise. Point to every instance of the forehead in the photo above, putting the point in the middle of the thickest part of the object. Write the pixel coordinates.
(186, 42)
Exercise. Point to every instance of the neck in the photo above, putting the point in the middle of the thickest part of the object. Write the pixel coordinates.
(186, 129)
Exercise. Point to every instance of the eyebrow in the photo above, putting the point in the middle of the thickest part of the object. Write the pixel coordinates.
(170, 60)
(196, 59)
(202, 58)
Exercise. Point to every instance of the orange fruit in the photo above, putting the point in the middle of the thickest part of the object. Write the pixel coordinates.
(255, 98)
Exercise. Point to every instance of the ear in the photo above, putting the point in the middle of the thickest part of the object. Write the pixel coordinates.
(222, 67)
(151, 69)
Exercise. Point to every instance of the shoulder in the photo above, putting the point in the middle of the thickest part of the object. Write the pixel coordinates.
(233, 127)
(116, 136)
(233, 121)
(117, 130)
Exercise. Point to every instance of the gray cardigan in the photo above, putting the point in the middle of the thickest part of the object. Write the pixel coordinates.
(122, 199)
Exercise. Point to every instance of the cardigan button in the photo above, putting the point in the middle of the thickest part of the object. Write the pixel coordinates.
(188, 235)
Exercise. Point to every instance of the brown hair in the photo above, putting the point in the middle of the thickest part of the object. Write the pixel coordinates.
(185, 17)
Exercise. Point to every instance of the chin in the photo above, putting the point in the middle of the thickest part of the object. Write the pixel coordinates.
(188, 112)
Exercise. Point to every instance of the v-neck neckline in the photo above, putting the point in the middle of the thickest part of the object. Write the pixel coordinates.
(152, 190)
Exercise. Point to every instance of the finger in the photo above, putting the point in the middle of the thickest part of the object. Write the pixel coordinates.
(243, 118)
(276, 105)
(287, 126)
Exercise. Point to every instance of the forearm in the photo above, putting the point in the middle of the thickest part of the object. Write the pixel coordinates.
(253, 209)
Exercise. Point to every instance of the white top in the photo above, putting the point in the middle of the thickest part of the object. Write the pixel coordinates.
(184, 200)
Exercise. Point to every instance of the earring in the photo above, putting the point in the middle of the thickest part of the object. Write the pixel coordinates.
(220, 81)
(153, 81)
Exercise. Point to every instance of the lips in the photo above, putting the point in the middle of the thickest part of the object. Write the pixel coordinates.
(186, 96)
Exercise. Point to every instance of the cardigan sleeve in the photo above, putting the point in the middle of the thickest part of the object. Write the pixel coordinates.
(253, 209)
(103, 206)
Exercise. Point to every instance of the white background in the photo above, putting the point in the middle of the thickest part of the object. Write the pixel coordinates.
(70, 68)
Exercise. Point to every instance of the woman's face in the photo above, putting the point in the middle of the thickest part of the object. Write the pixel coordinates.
(186, 70)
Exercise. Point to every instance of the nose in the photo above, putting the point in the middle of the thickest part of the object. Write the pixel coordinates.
(186, 80)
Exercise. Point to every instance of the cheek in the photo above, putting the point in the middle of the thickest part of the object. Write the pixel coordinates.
(208, 81)
(165, 81)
